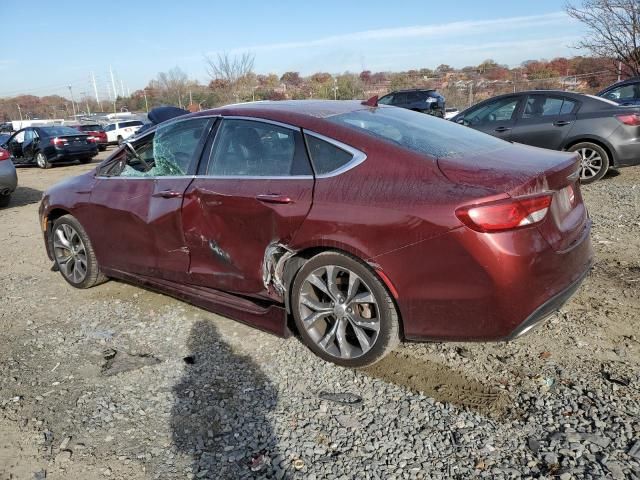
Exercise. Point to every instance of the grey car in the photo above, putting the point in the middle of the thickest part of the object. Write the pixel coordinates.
(604, 133)
(8, 177)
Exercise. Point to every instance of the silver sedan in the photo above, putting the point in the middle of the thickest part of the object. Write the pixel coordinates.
(8, 177)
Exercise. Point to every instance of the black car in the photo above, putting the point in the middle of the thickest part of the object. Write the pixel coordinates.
(603, 132)
(419, 100)
(626, 92)
(46, 145)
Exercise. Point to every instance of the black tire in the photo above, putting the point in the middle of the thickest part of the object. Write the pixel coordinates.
(93, 275)
(388, 335)
(85, 160)
(120, 139)
(102, 148)
(586, 171)
(42, 161)
(4, 200)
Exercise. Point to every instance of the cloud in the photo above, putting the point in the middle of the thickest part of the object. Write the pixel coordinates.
(419, 31)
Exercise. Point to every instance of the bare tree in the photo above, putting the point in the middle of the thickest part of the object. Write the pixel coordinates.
(613, 30)
(229, 68)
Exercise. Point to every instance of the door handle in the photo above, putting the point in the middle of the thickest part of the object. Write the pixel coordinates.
(561, 123)
(502, 129)
(274, 198)
(167, 194)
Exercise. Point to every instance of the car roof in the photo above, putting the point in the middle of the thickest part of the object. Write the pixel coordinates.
(621, 83)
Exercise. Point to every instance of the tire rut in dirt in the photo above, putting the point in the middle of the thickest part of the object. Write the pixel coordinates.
(439, 382)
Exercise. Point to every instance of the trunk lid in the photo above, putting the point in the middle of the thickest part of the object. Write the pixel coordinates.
(520, 170)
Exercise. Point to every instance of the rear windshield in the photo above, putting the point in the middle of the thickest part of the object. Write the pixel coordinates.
(132, 123)
(59, 131)
(419, 132)
(90, 128)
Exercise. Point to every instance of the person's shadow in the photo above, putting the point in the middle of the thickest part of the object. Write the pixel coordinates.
(220, 412)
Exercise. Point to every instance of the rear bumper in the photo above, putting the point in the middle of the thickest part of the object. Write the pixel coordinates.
(626, 148)
(67, 156)
(547, 309)
(8, 179)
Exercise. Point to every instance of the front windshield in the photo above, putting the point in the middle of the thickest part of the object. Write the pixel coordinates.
(419, 132)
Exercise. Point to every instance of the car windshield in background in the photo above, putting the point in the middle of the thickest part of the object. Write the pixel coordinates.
(59, 131)
(418, 132)
(90, 128)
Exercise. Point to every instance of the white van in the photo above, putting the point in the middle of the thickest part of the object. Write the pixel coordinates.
(119, 131)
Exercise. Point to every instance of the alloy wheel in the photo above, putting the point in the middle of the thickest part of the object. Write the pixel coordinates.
(590, 163)
(339, 312)
(70, 253)
(41, 160)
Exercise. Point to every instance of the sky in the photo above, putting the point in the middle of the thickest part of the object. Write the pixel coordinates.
(65, 43)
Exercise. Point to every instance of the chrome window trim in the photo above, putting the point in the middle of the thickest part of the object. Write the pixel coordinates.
(155, 177)
(254, 177)
(263, 120)
(358, 156)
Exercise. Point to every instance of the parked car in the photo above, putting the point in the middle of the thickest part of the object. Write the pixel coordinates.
(47, 145)
(293, 209)
(626, 92)
(419, 100)
(602, 132)
(6, 127)
(449, 113)
(96, 131)
(121, 130)
(8, 177)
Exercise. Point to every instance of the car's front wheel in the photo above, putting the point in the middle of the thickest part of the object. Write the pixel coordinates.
(343, 312)
(73, 253)
(594, 161)
(42, 161)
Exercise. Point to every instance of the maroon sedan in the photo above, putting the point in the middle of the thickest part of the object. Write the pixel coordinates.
(355, 226)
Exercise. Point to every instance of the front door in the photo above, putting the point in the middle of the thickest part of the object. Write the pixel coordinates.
(255, 191)
(137, 227)
(496, 118)
(545, 121)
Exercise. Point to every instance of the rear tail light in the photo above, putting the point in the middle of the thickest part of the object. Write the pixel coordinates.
(4, 155)
(632, 119)
(59, 142)
(91, 139)
(508, 214)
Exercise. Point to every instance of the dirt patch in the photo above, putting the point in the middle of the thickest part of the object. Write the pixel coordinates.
(439, 382)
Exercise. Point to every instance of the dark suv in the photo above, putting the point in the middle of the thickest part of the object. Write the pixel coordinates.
(419, 100)
(626, 92)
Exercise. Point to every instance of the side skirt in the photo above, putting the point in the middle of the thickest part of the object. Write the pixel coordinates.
(270, 318)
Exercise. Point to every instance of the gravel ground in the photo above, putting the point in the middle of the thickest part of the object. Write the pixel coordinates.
(118, 382)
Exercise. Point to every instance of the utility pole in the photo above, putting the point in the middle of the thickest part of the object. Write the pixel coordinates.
(122, 87)
(20, 112)
(146, 103)
(335, 88)
(190, 98)
(619, 69)
(113, 84)
(95, 90)
(73, 103)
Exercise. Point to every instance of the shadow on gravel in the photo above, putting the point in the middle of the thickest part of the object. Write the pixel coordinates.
(440, 382)
(24, 196)
(220, 414)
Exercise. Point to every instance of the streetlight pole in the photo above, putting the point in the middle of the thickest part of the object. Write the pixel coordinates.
(20, 112)
(73, 104)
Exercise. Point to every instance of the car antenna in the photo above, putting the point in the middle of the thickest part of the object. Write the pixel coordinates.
(372, 102)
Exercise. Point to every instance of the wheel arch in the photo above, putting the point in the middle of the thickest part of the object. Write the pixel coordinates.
(295, 263)
(597, 141)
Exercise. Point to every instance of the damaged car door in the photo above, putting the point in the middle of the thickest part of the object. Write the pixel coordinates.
(255, 191)
(138, 201)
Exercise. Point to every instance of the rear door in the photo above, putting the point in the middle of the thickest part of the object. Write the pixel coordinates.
(545, 121)
(254, 191)
(497, 117)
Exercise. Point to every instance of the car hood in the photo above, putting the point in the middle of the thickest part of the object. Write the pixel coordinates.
(514, 169)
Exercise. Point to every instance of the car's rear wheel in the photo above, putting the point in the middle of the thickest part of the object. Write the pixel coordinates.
(343, 312)
(42, 161)
(4, 200)
(73, 253)
(120, 139)
(594, 161)
(85, 160)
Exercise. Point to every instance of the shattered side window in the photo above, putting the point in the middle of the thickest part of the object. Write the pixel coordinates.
(170, 151)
